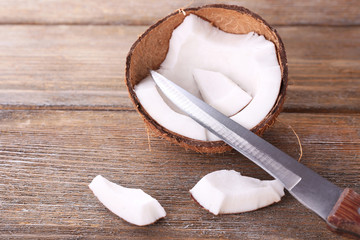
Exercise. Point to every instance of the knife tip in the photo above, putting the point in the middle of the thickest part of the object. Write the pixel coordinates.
(152, 73)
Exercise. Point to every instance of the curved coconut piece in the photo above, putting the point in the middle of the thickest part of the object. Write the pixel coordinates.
(132, 205)
(227, 191)
(220, 92)
(150, 50)
(147, 94)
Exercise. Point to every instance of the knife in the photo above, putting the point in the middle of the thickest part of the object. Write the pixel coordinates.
(340, 208)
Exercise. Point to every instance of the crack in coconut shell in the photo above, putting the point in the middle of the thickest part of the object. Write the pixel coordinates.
(150, 50)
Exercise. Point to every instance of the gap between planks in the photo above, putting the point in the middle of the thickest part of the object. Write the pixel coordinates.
(125, 109)
(148, 25)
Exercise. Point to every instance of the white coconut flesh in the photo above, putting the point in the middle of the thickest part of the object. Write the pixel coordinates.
(132, 205)
(227, 191)
(220, 92)
(198, 52)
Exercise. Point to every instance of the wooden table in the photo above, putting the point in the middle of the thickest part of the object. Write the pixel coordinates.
(65, 117)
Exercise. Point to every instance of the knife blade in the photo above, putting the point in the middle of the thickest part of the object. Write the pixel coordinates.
(338, 207)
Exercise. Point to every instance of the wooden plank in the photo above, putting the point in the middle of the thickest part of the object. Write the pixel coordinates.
(144, 12)
(82, 67)
(65, 65)
(47, 158)
(324, 68)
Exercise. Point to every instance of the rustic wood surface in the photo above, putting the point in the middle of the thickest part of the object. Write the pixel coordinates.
(65, 117)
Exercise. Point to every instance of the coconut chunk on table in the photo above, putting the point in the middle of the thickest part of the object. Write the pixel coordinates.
(227, 191)
(132, 205)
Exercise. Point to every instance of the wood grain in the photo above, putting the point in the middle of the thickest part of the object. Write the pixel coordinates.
(47, 158)
(64, 65)
(144, 12)
(82, 67)
(62, 70)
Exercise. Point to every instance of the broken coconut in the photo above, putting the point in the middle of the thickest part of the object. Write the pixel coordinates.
(215, 42)
(227, 191)
(132, 205)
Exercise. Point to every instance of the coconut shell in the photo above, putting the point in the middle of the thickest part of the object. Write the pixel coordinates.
(150, 50)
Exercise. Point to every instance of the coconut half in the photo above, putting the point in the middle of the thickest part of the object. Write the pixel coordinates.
(132, 205)
(227, 191)
(150, 52)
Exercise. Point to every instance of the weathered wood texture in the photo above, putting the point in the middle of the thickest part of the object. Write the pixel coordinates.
(82, 67)
(144, 12)
(60, 74)
(47, 158)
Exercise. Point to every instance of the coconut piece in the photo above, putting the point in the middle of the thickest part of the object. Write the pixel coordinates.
(269, 80)
(220, 92)
(155, 105)
(227, 191)
(151, 49)
(132, 205)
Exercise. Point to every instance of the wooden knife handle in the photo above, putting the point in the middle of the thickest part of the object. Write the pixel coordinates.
(345, 215)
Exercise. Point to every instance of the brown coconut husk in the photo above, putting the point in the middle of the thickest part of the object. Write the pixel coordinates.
(150, 50)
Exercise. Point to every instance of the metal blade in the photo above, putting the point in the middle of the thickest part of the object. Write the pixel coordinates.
(308, 187)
